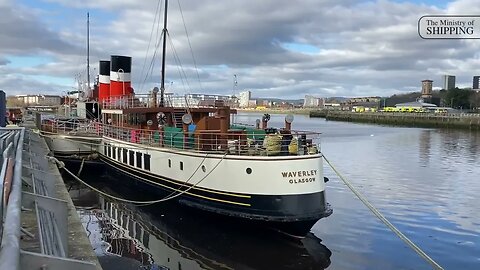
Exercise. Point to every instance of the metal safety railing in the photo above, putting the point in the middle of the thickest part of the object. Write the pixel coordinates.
(11, 143)
(24, 163)
(70, 126)
(243, 142)
(151, 101)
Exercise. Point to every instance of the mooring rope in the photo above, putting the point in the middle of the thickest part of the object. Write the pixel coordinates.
(385, 221)
(191, 176)
(61, 165)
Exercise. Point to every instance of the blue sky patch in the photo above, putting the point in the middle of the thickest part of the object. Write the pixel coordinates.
(59, 17)
(300, 47)
(27, 61)
(437, 3)
(68, 82)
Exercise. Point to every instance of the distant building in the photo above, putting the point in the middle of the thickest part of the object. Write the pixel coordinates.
(448, 82)
(266, 103)
(252, 103)
(232, 102)
(476, 83)
(365, 99)
(283, 104)
(364, 102)
(427, 86)
(311, 102)
(39, 100)
(244, 99)
(416, 104)
(332, 106)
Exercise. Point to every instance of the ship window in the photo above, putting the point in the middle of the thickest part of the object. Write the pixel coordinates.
(139, 159)
(169, 163)
(125, 154)
(181, 165)
(109, 150)
(131, 158)
(146, 162)
(204, 169)
(114, 153)
(119, 153)
(249, 170)
(136, 119)
(105, 149)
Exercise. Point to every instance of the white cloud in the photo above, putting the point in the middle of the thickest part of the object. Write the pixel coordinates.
(365, 48)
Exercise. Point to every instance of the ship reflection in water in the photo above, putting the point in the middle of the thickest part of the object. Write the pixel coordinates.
(167, 236)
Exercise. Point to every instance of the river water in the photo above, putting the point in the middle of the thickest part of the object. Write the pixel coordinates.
(425, 181)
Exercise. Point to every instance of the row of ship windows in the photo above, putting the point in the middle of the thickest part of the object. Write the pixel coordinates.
(130, 157)
(170, 164)
(139, 159)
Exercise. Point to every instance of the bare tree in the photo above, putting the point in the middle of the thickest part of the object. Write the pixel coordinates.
(13, 101)
(475, 101)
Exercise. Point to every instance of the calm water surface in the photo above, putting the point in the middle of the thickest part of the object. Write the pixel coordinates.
(425, 181)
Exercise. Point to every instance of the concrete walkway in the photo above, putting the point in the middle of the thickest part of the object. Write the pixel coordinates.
(52, 234)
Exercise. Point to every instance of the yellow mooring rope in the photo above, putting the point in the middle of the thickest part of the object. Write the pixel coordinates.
(385, 221)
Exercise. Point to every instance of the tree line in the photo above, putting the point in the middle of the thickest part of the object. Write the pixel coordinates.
(457, 98)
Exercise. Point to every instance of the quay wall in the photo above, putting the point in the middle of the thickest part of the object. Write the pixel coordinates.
(79, 251)
(430, 120)
(277, 111)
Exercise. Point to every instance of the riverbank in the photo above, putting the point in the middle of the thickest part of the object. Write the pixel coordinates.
(278, 111)
(457, 121)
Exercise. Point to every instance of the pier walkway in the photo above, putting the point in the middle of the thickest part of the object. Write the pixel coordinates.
(40, 228)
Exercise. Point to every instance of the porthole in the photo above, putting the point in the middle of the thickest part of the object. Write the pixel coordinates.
(204, 169)
(249, 170)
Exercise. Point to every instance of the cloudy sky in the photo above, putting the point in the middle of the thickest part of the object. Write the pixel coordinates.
(277, 48)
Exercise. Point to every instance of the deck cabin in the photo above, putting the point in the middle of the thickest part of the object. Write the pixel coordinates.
(141, 119)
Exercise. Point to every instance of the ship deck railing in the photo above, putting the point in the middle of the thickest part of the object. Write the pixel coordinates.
(71, 126)
(151, 101)
(246, 142)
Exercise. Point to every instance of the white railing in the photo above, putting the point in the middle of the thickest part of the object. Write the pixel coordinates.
(150, 101)
(235, 142)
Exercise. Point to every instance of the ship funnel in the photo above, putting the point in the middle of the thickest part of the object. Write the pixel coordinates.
(104, 81)
(120, 77)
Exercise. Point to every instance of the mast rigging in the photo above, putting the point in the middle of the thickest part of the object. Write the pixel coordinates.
(164, 49)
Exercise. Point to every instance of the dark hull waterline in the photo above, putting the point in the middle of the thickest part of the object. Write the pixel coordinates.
(293, 215)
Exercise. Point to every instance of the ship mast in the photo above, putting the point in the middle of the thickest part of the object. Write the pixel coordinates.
(88, 51)
(164, 49)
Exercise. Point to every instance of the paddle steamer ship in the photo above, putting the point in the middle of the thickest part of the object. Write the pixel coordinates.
(194, 154)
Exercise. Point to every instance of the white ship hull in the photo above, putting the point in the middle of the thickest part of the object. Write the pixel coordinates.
(288, 192)
(61, 144)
